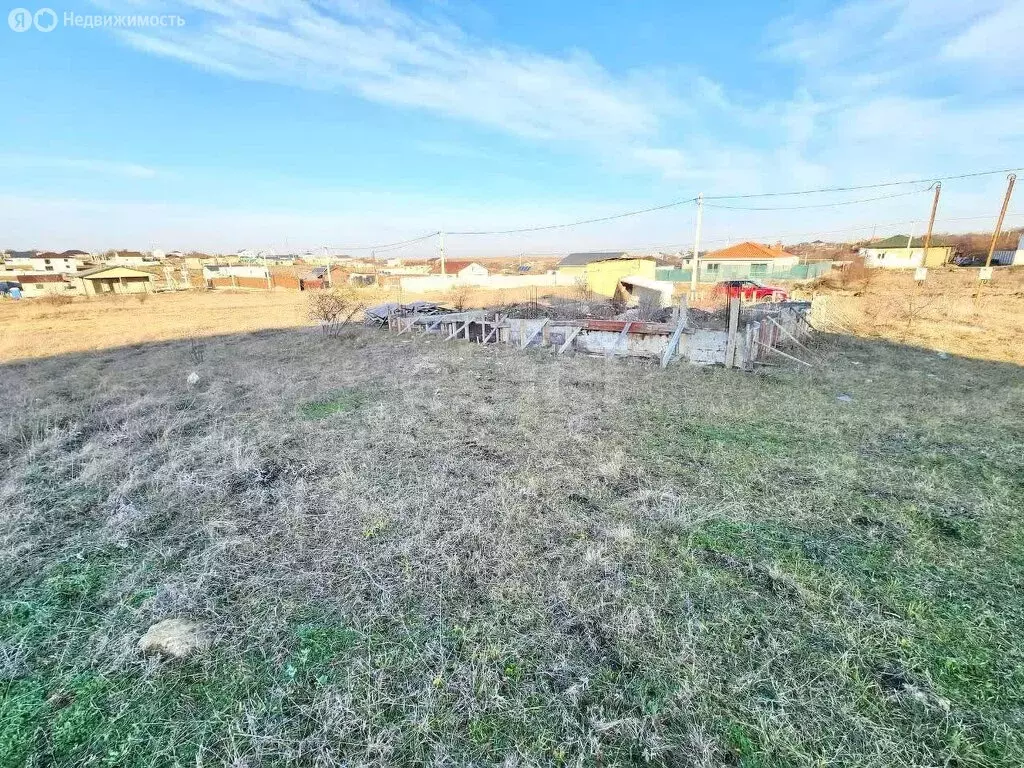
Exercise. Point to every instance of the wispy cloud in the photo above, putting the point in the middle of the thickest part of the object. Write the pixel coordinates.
(390, 56)
(104, 167)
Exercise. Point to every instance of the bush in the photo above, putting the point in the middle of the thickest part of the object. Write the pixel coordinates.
(333, 309)
(57, 299)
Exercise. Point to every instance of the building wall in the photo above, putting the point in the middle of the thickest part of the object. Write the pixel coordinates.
(746, 266)
(99, 286)
(603, 276)
(903, 258)
(428, 283)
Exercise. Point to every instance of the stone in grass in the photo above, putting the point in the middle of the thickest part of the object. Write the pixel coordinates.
(845, 399)
(174, 638)
(192, 380)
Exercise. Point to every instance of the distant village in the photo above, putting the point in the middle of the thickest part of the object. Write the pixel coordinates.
(35, 274)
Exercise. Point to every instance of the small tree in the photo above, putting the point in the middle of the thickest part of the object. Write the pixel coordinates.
(333, 309)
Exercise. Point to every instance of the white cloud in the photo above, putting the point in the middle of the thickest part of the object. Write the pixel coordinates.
(389, 56)
(105, 167)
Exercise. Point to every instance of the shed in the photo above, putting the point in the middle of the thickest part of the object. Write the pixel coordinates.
(114, 279)
(602, 271)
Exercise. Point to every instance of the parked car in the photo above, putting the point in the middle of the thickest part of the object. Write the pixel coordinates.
(750, 290)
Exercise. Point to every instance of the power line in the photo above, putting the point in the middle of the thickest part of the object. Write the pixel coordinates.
(383, 246)
(817, 205)
(577, 223)
(863, 186)
(677, 203)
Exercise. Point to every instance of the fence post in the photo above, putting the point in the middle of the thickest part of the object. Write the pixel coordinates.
(734, 318)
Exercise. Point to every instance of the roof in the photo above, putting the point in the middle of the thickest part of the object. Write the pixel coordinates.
(40, 279)
(21, 254)
(96, 271)
(581, 259)
(639, 281)
(749, 250)
(900, 241)
(452, 266)
(73, 252)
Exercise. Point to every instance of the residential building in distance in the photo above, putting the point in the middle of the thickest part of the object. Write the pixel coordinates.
(67, 262)
(114, 278)
(458, 268)
(601, 272)
(132, 259)
(752, 259)
(899, 252)
(36, 285)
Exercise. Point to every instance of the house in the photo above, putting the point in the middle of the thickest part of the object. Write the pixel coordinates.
(236, 276)
(601, 272)
(317, 278)
(67, 262)
(131, 259)
(899, 252)
(114, 278)
(743, 260)
(1010, 258)
(461, 269)
(33, 285)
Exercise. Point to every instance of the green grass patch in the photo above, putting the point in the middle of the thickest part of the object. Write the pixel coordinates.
(338, 401)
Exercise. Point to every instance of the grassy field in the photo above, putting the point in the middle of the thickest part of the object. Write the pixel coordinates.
(412, 552)
(945, 312)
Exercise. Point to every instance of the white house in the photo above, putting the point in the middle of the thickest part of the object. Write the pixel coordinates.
(67, 262)
(462, 269)
(898, 252)
(132, 259)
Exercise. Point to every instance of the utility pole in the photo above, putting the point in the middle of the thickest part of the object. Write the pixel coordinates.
(1002, 214)
(931, 223)
(330, 280)
(910, 241)
(440, 249)
(695, 263)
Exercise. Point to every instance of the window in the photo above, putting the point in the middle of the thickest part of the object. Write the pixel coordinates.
(49, 267)
(759, 269)
(712, 267)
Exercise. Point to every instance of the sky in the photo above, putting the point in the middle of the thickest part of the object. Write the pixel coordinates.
(296, 124)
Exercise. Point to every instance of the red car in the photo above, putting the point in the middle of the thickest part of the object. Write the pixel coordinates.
(749, 290)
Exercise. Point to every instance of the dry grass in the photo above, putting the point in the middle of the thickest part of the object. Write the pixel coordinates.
(943, 313)
(413, 552)
(34, 328)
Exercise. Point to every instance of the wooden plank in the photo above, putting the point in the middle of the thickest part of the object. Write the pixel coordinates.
(569, 339)
(618, 342)
(734, 319)
(457, 330)
(780, 352)
(794, 338)
(494, 330)
(673, 342)
(536, 331)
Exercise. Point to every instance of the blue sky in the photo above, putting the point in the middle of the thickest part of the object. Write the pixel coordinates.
(292, 124)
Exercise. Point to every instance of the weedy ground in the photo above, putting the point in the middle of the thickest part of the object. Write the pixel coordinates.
(412, 552)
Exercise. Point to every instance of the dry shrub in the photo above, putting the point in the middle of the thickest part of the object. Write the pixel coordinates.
(460, 297)
(856, 273)
(333, 309)
(57, 299)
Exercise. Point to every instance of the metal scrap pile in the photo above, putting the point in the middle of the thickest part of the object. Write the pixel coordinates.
(377, 317)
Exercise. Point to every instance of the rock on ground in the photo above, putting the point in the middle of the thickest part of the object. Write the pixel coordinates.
(176, 638)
